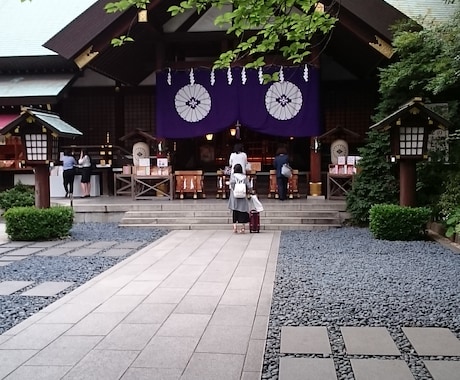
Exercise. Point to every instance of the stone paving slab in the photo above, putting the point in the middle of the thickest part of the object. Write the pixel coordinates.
(11, 359)
(102, 244)
(45, 244)
(85, 252)
(150, 313)
(115, 252)
(368, 341)
(9, 259)
(5, 249)
(102, 364)
(213, 366)
(27, 372)
(25, 251)
(55, 251)
(377, 369)
(304, 340)
(433, 341)
(10, 287)
(131, 244)
(152, 373)
(16, 244)
(443, 369)
(65, 351)
(231, 340)
(128, 337)
(167, 352)
(48, 288)
(74, 244)
(307, 369)
(5, 263)
(34, 337)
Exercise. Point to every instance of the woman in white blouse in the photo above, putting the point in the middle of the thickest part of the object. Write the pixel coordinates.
(85, 162)
(238, 157)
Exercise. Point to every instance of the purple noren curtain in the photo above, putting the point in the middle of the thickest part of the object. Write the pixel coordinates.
(191, 104)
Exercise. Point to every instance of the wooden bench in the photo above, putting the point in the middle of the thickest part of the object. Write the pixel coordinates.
(189, 182)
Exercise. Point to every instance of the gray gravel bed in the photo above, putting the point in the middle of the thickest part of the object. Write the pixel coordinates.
(15, 308)
(345, 277)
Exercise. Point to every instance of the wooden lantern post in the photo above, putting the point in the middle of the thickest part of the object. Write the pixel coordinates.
(39, 131)
(409, 128)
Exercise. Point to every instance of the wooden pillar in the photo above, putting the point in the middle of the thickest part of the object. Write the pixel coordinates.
(315, 164)
(407, 182)
(119, 116)
(42, 186)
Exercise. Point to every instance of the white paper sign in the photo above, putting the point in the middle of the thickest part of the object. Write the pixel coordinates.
(162, 162)
(144, 161)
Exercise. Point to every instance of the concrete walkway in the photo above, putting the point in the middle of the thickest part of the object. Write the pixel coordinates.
(192, 305)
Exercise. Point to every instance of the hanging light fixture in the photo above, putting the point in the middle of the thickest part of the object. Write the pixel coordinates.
(209, 136)
(235, 130)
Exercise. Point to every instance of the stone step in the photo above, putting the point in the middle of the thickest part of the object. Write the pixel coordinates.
(179, 205)
(303, 213)
(228, 226)
(224, 220)
(292, 214)
(226, 212)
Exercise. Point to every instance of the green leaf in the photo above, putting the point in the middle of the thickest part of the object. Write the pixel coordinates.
(175, 10)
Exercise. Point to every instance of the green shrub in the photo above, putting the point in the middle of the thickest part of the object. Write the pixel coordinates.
(453, 223)
(376, 183)
(450, 199)
(18, 196)
(30, 223)
(393, 222)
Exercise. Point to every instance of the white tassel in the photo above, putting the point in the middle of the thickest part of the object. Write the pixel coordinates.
(229, 76)
(261, 76)
(213, 77)
(244, 77)
(192, 77)
(169, 77)
(305, 73)
(281, 74)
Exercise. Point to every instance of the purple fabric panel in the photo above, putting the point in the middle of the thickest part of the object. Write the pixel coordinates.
(285, 108)
(205, 108)
(294, 104)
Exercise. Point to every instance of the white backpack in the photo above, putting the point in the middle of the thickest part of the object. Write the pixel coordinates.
(239, 191)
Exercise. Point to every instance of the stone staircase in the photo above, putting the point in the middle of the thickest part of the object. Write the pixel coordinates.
(294, 214)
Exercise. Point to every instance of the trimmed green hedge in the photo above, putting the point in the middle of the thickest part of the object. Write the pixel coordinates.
(393, 222)
(30, 223)
(18, 196)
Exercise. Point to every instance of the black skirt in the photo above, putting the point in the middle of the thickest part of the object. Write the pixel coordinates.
(86, 174)
(240, 216)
